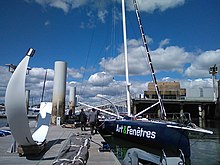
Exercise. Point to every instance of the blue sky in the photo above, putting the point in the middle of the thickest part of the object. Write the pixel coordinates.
(183, 37)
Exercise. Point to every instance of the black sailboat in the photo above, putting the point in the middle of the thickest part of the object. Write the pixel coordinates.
(160, 133)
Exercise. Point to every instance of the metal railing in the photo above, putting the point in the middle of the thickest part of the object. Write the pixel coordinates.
(182, 118)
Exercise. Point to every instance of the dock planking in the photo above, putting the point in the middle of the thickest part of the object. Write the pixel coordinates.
(56, 139)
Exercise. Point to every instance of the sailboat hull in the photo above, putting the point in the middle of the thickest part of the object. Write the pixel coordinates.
(150, 133)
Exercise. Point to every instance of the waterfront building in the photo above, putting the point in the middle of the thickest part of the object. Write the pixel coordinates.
(168, 90)
(198, 101)
(199, 93)
(172, 90)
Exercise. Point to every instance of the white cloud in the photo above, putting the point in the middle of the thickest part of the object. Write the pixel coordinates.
(152, 5)
(34, 82)
(67, 5)
(164, 43)
(135, 56)
(112, 89)
(78, 3)
(102, 5)
(201, 63)
(99, 83)
(64, 5)
(172, 58)
(5, 76)
(100, 79)
(39, 73)
(74, 73)
(167, 79)
(102, 15)
(196, 83)
(90, 23)
(47, 23)
(145, 5)
(191, 83)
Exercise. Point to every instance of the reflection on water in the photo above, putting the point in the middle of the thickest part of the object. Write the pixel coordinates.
(205, 149)
(120, 148)
(3, 122)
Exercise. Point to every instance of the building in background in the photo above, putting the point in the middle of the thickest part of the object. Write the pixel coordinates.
(199, 93)
(168, 90)
(172, 90)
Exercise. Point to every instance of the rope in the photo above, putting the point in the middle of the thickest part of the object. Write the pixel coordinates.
(101, 124)
(96, 143)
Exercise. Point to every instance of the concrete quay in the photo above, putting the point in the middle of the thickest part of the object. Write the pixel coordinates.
(56, 139)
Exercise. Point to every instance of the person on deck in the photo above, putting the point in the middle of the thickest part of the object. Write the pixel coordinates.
(70, 113)
(92, 121)
(83, 120)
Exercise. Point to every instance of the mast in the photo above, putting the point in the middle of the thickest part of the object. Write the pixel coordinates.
(45, 78)
(162, 109)
(126, 60)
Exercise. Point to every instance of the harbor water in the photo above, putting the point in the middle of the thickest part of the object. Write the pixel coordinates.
(3, 122)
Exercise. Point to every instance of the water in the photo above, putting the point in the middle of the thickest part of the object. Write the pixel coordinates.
(205, 149)
(3, 122)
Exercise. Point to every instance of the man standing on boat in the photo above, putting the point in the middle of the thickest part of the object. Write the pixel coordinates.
(92, 121)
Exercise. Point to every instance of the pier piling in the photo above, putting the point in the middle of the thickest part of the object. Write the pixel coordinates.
(59, 91)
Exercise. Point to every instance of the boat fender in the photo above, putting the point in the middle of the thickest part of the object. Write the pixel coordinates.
(5, 132)
(105, 147)
(191, 125)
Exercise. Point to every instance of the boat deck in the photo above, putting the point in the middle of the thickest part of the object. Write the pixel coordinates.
(56, 138)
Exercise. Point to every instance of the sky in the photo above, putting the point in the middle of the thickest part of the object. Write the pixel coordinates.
(182, 35)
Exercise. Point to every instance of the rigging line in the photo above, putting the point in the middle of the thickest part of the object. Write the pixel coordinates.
(105, 43)
(95, 141)
(112, 42)
(163, 113)
(131, 26)
(137, 36)
(113, 34)
(117, 30)
(108, 35)
(83, 86)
